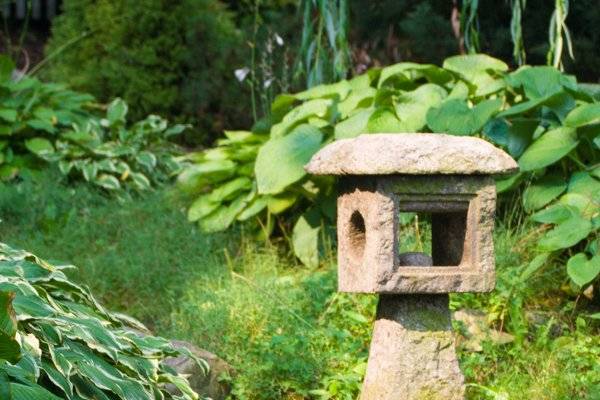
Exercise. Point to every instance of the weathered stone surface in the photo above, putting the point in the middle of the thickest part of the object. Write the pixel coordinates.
(210, 385)
(410, 154)
(412, 353)
(477, 330)
(462, 211)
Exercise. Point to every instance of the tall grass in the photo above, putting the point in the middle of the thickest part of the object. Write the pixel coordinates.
(283, 327)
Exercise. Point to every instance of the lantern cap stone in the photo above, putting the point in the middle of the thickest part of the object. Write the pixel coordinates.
(411, 154)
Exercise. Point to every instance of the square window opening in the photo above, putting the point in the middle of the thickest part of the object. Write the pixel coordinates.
(437, 231)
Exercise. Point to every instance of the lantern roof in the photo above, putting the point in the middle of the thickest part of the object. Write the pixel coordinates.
(411, 154)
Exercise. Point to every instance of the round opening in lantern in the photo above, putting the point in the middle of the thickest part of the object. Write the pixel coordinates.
(356, 236)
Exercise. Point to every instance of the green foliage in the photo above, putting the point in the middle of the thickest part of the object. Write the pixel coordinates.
(540, 116)
(45, 122)
(115, 156)
(57, 341)
(32, 116)
(162, 57)
(284, 329)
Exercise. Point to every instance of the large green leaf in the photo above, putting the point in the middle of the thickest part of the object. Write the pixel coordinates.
(473, 64)
(583, 270)
(117, 110)
(312, 108)
(455, 116)
(411, 107)
(305, 238)
(353, 126)
(280, 162)
(39, 146)
(585, 184)
(543, 192)
(338, 90)
(567, 233)
(585, 114)
(541, 81)
(384, 120)
(549, 148)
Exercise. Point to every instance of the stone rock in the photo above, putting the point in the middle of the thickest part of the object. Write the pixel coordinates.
(478, 330)
(411, 154)
(412, 353)
(210, 385)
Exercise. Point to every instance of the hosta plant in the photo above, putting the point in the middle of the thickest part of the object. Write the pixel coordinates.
(109, 153)
(540, 116)
(58, 342)
(30, 111)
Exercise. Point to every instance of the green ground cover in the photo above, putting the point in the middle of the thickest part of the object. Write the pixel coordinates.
(282, 326)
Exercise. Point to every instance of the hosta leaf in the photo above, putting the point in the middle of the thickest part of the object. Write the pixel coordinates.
(554, 214)
(280, 161)
(140, 181)
(582, 270)
(223, 217)
(312, 108)
(543, 192)
(566, 234)
(8, 319)
(411, 107)
(280, 203)
(473, 64)
(455, 116)
(357, 99)
(255, 207)
(147, 159)
(108, 182)
(41, 125)
(305, 238)
(585, 114)
(541, 81)
(230, 189)
(195, 177)
(201, 207)
(39, 146)
(339, 90)
(353, 126)
(89, 171)
(549, 148)
(585, 184)
(8, 114)
(34, 392)
(384, 120)
(117, 110)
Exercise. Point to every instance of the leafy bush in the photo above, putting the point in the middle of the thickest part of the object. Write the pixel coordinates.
(56, 341)
(112, 155)
(164, 57)
(47, 122)
(30, 110)
(539, 115)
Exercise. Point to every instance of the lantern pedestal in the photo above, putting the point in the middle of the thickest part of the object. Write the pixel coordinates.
(412, 351)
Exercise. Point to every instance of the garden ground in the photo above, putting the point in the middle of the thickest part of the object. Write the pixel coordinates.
(282, 326)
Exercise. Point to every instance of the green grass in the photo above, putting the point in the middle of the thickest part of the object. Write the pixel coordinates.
(283, 327)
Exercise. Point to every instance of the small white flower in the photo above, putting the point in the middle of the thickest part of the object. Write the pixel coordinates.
(278, 40)
(267, 83)
(241, 73)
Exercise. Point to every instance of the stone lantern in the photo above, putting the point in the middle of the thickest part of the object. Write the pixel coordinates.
(450, 180)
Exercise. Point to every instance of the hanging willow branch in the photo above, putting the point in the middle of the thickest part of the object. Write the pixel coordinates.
(324, 54)
(516, 30)
(559, 34)
(470, 25)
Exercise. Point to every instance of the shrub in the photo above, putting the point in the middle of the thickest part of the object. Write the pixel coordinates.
(165, 57)
(539, 115)
(47, 122)
(56, 341)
